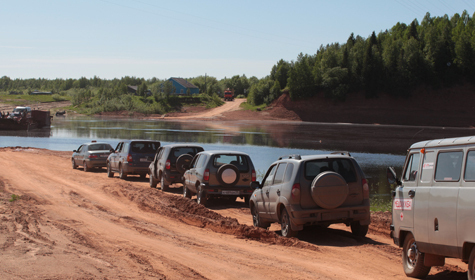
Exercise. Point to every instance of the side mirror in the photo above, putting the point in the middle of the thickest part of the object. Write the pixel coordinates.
(112, 150)
(255, 185)
(74, 151)
(392, 177)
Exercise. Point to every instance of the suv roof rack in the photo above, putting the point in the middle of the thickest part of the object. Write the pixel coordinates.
(342, 153)
(290, 156)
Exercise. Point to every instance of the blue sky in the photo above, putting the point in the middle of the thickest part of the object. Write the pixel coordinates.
(181, 38)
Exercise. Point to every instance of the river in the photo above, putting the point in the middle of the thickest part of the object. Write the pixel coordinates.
(375, 147)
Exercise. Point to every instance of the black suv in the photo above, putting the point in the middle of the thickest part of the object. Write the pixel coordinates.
(300, 191)
(132, 157)
(169, 164)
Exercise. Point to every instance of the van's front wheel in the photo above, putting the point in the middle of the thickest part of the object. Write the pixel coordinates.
(413, 259)
(471, 265)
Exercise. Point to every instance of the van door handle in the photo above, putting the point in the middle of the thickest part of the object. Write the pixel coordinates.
(278, 192)
(267, 192)
(411, 193)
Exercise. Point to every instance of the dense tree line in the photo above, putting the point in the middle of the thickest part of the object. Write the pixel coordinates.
(438, 52)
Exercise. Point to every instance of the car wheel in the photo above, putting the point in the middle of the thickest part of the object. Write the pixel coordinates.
(110, 174)
(358, 229)
(152, 181)
(413, 259)
(256, 219)
(122, 173)
(286, 228)
(471, 265)
(86, 169)
(73, 163)
(201, 196)
(186, 192)
(163, 186)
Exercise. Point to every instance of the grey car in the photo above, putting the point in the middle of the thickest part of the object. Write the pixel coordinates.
(299, 191)
(219, 174)
(91, 155)
(132, 157)
(169, 162)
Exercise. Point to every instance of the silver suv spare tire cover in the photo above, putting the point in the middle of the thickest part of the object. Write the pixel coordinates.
(329, 190)
(228, 175)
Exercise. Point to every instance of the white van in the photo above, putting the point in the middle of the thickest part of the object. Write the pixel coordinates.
(434, 205)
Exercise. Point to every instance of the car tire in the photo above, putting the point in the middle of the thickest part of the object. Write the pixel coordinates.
(186, 192)
(85, 168)
(164, 187)
(329, 190)
(256, 219)
(228, 175)
(286, 228)
(471, 265)
(122, 173)
(153, 183)
(247, 199)
(413, 259)
(358, 229)
(201, 196)
(73, 163)
(110, 174)
(182, 160)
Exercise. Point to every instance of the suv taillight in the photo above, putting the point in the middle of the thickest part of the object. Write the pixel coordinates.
(129, 158)
(206, 175)
(296, 190)
(167, 164)
(253, 176)
(365, 189)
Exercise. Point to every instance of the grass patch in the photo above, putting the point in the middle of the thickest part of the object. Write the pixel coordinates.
(380, 204)
(21, 100)
(247, 106)
(14, 198)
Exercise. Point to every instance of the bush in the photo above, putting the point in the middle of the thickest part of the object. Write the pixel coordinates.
(57, 97)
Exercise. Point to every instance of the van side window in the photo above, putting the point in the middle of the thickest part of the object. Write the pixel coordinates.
(470, 167)
(412, 167)
(449, 166)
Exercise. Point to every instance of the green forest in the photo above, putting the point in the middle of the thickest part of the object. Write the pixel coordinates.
(438, 52)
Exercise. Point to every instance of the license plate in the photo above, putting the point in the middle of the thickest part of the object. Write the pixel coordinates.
(230, 192)
(104, 155)
(144, 159)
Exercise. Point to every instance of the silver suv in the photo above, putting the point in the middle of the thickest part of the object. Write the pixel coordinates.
(219, 174)
(299, 191)
(169, 164)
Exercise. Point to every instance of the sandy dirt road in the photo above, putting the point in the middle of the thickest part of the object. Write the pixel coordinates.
(69, 224)
(228, 106)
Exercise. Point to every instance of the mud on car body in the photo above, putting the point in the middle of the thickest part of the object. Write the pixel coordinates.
(219, 174)
(299, 191)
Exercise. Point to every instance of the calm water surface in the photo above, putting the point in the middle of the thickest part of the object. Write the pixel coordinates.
(375, 147)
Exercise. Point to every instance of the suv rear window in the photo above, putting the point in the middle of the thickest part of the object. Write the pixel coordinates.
(344, 167)
(145, 147)
(237, 160)
(177, 152)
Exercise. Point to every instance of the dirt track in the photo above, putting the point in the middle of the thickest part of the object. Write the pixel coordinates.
(69, 224)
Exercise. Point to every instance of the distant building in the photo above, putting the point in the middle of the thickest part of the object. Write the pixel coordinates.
(36, 92)
(182, 85)
(133, 90)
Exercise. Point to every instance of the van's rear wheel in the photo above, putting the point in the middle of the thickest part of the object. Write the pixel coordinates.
(413, 259)
(471, 265)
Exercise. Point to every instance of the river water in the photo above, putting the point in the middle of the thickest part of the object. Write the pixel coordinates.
(375, 147)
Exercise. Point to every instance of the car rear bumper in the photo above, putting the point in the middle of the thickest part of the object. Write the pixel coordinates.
(171, 177)
(132, 168)
(302, 217)
(227, 191)
(96, 162)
